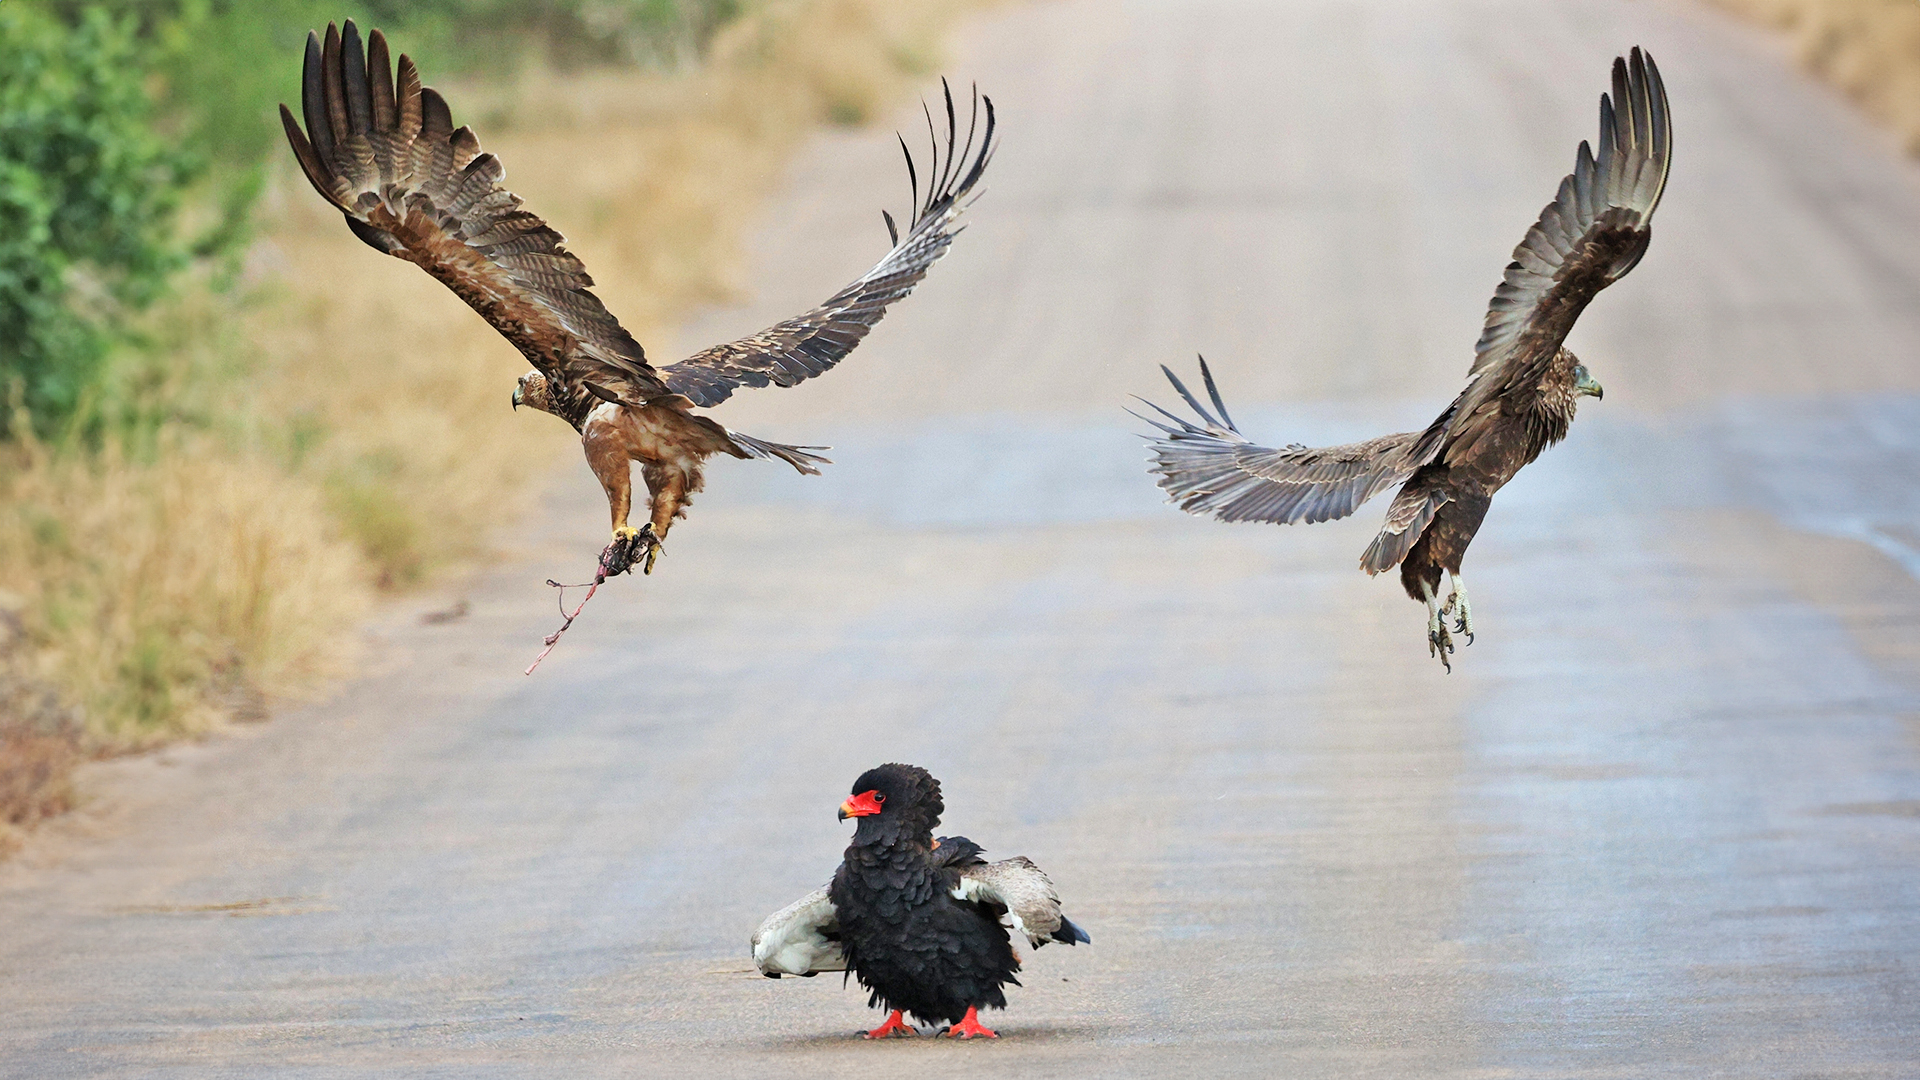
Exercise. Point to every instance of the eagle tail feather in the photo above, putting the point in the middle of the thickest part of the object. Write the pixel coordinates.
(801, 458)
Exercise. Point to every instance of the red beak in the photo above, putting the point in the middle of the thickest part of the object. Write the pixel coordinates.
(865, 804)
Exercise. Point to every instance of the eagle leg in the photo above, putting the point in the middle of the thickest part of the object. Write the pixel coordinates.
(970, 1027)
(895, 1025)
(1439, 642)
(1463, 623)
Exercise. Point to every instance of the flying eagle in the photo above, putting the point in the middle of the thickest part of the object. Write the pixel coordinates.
(917, 920)
(1521, 391)
(384, 151)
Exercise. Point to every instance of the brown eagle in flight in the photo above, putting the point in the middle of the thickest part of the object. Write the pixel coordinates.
(383, 150)
(1521, 391)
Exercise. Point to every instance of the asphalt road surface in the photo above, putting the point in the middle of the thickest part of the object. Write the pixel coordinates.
(1662, 820)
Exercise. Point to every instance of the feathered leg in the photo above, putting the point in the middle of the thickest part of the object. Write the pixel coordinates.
(669, 486)
(614, 469)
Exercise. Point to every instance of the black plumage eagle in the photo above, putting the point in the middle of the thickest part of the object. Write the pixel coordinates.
(921, 921)
(1521, 392)
(383, 150)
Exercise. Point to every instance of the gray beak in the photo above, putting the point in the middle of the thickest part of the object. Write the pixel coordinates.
(1587, 384)
(516, 398)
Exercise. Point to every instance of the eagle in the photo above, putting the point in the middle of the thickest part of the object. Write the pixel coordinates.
(383, 150)
(920, 921)
(1520, 397)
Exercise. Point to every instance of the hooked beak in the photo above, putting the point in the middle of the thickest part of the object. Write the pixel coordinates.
(865, 804)
(1588, 385)
(516, 398)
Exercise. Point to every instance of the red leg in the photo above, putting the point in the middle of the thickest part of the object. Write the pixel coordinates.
(895, 1025)
(969, 1027)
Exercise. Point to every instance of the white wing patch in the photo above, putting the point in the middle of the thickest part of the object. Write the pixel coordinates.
(794, 941)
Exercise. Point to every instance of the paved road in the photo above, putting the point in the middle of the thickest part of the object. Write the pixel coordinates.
(1663, 819)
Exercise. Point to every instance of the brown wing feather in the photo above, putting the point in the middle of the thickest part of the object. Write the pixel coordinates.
(385, 152)
(1592, 233)
(807, 345)
(1210, 468)
(1408, 516)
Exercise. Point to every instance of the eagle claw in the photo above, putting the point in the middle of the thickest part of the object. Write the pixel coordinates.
(970, 1027)
(1440, 643)
(629, 546)
(895, 1025)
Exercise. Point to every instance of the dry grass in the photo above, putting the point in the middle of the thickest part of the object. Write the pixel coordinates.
(1869, 48)
(369, 442)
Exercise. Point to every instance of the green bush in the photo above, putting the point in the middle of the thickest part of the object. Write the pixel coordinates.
(113, 113)
(88, 194)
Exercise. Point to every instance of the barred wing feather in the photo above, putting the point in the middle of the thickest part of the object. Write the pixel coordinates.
(1591, 235)
(807, 345)
(1210, 468)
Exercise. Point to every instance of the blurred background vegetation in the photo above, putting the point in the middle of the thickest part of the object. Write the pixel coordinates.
(226, 427)
(115, 116)
(1869, 48)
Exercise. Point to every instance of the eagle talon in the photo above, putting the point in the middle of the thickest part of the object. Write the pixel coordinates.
(896, 1025)
(647, 537)
(1463, 622)
(628, 547)
(970, 1027)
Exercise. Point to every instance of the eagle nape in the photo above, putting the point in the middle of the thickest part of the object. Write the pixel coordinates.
(1522, 391)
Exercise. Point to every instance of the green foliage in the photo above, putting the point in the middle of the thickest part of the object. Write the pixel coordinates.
(227, 63)
(113, 113)
(88, 194)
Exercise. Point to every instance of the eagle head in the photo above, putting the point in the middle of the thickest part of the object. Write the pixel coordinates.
(894, 798)
(1566, 381)
(1584, 384)
(531, 391)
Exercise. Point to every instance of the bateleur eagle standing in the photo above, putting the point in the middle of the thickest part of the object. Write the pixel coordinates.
(921, 922)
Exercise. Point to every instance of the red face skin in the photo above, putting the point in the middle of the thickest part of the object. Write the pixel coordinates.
(865, 804)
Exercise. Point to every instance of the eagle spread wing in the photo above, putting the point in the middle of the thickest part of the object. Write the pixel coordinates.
(1592, 233)
(1590, 236)
(1210, 468)
(386, 153)
(1024, 894)
(803, 938)
(806, 345)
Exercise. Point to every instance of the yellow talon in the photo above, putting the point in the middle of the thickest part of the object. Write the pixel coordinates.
(624, 532)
